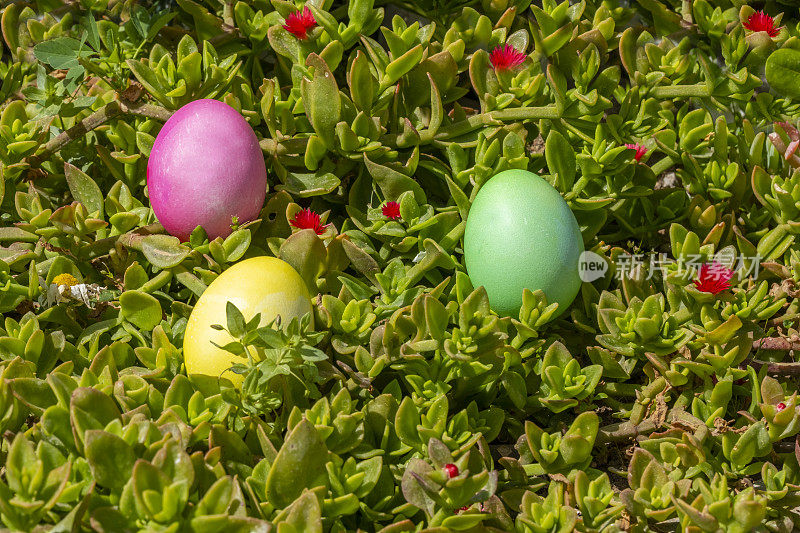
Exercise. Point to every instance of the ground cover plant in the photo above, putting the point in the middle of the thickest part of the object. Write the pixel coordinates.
(663, 398)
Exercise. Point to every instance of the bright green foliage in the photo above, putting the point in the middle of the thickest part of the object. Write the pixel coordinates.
(403, 403)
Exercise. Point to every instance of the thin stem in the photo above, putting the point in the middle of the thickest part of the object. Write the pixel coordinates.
(227, 13)
(777, 369)
(620, 389)
(465, 126)
(146, 110)
(686, 11)
(681, 91)
(662, 165)
(526, 113)
(776, 343)
(624, 431)
(783, 319)
(577, 132)
(495, 118)
(98, 118)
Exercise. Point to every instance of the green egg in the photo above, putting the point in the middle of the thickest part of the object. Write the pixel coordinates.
(522, 234)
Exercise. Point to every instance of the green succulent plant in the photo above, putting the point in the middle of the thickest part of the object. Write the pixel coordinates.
(403, 402)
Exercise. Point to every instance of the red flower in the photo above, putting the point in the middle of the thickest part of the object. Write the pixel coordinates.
(308, 219)
(506, 57)
(640, 150)
(780, 407)
(298, 23)
(461, 509)
(391, 210)
(714, 278)
(760, 21)
(451, 469)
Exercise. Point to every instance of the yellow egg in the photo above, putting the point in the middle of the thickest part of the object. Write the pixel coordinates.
(263, 285)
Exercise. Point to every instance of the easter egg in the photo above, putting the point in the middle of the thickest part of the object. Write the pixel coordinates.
(520, 233)
(263, 285)
(205, 168)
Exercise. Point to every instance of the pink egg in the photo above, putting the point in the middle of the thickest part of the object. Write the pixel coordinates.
(206, 167)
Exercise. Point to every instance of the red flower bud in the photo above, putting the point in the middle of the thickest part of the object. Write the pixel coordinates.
(299, 22)
(391, 210)
(451, 469)
(714, 278)
(506, 57)
(308, 219)
(760, 21)
(780, 407)
(640, 150)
